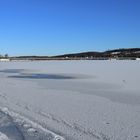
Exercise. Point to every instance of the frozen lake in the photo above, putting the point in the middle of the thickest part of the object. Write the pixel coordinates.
(72, 100)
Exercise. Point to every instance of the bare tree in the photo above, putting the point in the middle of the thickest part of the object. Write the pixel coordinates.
(6, 55)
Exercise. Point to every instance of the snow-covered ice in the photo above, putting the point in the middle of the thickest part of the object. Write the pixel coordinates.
(72, 100)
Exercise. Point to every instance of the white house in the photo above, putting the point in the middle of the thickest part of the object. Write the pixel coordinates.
(137, 58)
(4, 59)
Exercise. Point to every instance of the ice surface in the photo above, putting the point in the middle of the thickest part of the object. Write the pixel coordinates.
(84, 100)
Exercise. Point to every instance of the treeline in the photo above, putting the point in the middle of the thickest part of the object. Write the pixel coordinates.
(4, 56)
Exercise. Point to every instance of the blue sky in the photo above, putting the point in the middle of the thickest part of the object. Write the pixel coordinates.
(50, 27)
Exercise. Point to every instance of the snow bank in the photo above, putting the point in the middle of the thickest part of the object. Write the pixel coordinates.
(3, 137)
(24, 127)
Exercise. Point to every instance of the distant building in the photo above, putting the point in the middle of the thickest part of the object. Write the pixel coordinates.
(4, 59)
(137, 58)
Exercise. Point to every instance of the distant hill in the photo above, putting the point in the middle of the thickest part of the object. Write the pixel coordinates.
(131, 52)
(83, 54)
